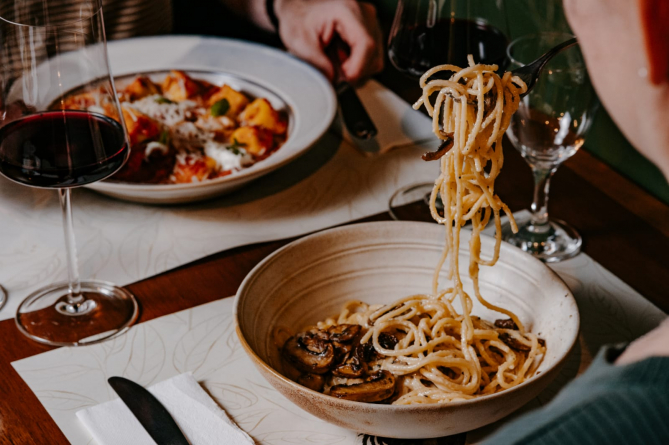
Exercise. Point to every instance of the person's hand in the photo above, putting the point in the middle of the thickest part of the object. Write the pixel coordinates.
(611, 36)
(653, 344)
(307, 27)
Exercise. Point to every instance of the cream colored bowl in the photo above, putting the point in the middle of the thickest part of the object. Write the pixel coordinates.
(311, 278)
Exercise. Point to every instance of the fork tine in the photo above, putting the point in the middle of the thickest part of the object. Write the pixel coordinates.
(530, 73)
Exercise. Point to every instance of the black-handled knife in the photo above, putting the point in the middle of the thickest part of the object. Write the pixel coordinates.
(149, 411)
(356, 119)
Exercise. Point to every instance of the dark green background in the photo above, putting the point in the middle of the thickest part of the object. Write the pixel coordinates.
(524, 17)
(604, 140)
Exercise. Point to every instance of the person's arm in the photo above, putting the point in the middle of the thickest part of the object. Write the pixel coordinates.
(606, 405)
(307, 27)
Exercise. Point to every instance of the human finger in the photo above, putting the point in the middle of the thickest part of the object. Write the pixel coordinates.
(364, 47)
(311, 50)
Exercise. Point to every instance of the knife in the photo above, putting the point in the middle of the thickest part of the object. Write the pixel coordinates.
(356, 119)
(149, 411)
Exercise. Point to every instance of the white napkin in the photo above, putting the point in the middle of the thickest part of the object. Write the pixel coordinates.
(397, 123)
(201, 420)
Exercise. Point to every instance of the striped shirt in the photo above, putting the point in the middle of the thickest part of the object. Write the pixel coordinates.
(123, 18)
(23, 48)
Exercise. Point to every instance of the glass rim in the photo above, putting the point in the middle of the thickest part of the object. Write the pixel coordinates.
(535, 36)
(95, 11)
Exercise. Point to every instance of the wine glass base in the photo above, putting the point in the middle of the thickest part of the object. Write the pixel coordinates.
(109, 311)
(412, 203)
(560, 242)
(3, 296)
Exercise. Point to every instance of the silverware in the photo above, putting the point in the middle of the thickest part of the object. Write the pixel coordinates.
(356, 119)
(530, 73)
(149, 411)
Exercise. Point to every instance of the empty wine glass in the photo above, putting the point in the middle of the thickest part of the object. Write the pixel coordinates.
(44, 54)
(549, 127)
(426, 33)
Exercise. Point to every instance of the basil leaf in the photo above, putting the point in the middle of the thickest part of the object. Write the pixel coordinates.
(235, 146)
(220, 108)
(164, 137)
(164, 100)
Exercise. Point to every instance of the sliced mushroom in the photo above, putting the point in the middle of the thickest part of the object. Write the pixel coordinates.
(342, 349)
(518, 346)
(312, 381)
(366, 352)
(506, 324)
(489, 103)
(387, 341)
(314, 342)
(351, 368)
(344, 333)
(513, 343)
(318, 333)
(309, 354)
(377, 387)
(444, 147)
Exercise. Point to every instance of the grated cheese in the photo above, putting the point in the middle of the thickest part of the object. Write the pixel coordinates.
(227, 159)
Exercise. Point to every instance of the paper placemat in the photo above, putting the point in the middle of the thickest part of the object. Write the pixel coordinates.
(202, 340)
(123, 242)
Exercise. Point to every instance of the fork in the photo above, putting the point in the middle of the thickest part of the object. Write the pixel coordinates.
(529, 74)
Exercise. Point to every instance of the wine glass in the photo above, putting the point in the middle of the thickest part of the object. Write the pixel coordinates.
(426, 33)
(549, 127)
(44, 55)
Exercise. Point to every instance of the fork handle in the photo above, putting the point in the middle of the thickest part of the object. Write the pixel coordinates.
(531, 72)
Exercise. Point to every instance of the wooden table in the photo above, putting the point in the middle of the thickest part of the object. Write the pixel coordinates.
(624, 228)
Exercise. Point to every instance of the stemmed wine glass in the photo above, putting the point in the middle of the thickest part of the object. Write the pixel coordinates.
(426, 33)
(44, 54)
(549, 127)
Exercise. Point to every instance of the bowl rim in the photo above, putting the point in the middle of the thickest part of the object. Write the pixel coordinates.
(301, 139)
(389, 407)
(292, 150)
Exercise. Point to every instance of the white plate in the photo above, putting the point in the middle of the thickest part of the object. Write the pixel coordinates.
(306, 93)
(311, 278)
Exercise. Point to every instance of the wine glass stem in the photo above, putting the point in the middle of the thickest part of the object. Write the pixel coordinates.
(542, 180)
(74, 297)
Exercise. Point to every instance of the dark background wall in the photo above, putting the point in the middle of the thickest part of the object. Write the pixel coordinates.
(209, 17)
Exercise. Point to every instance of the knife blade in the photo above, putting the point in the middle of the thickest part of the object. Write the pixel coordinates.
(149, 411)
(355, 116)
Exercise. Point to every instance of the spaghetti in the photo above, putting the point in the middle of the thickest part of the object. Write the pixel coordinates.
(439, 354)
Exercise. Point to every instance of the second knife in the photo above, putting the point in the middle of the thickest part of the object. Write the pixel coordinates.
(149, 411)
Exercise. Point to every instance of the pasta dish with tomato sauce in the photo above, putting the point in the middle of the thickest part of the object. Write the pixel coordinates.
(185, 130)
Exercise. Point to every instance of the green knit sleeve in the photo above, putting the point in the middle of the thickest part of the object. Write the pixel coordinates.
(606, 405)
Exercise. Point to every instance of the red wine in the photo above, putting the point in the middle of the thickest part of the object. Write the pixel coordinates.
(61, 148)
(414, 50)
